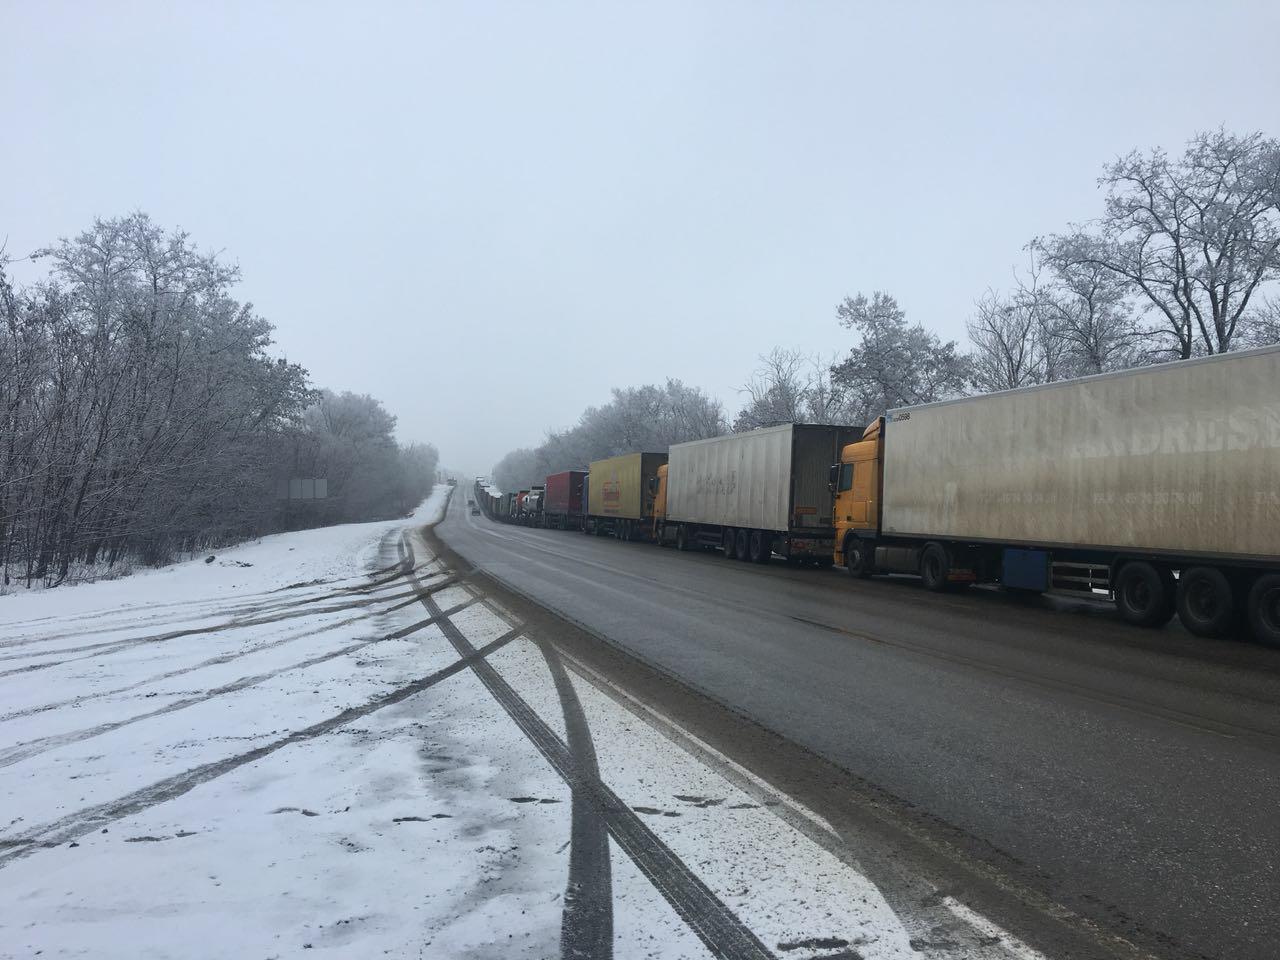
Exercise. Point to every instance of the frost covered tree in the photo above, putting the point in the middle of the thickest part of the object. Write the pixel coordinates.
(1091, 313)
(1062, 319)
(350, 440)
(1009, 337)
(1263, 329)
(646, 418)
(142, 409)
(894, 364)
(1196, 236)
(790, 386)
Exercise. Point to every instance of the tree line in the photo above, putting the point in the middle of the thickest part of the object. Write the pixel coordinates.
(143, 414)
(1182, 261)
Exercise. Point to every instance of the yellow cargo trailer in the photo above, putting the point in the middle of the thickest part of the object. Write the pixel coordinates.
(620, 495)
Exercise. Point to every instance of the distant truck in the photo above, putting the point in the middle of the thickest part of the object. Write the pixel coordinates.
(620, 495)
(1157, 487)
(562, 504)
(753, 494)
(531, 506)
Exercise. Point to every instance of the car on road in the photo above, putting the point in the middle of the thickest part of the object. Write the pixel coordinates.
(475, 511)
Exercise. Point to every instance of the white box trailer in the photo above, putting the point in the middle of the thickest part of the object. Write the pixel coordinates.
(756, 493)
(1178, 458)
(1159, 485)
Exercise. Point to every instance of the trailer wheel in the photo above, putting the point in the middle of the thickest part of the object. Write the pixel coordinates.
(934, 567)
(1206, 602)
(761, 550)
(741, 544)
(859, 556)
(727, 543)
(682, 538)
(1264, 609)
(1143, 595)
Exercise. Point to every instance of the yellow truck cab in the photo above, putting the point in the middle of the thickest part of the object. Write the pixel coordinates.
(658, 487)
(857, 478)
(861, 544)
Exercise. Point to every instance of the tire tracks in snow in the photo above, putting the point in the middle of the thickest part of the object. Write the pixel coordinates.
(170, 674)
(86, 821)
(116, 646)
(587, 924)
(31, 748)
(718, 927)
(204, 609)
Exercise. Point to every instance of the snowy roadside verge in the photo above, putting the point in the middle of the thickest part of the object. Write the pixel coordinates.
(180, 826)
(323, 553)
(382, 761)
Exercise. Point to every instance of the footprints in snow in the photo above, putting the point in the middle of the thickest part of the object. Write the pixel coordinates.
(699, 803)
(302, 810)
(146, 838)
(434, 816)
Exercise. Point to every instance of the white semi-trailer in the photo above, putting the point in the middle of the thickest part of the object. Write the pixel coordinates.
(1158, 487)
(753, 494)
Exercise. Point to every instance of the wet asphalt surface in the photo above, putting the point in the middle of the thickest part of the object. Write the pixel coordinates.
(1131, 776)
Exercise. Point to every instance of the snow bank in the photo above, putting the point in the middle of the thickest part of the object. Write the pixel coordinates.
(325, 553)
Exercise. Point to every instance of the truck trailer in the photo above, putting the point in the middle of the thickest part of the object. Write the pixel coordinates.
(562, 503)
(1157, 488)
(753, 494)
(620, 495)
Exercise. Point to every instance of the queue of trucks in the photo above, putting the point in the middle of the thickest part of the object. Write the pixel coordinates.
(1157, 488)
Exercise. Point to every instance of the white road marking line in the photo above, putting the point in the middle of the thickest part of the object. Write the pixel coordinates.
(988, 928)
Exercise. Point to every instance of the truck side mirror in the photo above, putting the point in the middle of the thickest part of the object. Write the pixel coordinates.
(653, 485)
(833, 475)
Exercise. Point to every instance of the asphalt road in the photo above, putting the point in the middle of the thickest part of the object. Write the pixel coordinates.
(1132, 776)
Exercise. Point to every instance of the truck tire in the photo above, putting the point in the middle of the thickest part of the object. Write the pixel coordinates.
(682, 538)
(741, 542)
(761, 549)
(1264, 609)
(859, 556)
(1143, 595)
(934, 567)
(1206, 602)
(727, 542)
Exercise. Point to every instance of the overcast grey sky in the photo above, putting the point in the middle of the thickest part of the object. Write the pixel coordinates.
(487, 215)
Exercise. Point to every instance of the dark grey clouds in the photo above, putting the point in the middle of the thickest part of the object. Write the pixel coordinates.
(517, 207)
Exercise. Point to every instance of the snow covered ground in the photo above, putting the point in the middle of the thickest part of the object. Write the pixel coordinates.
(327, 741)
